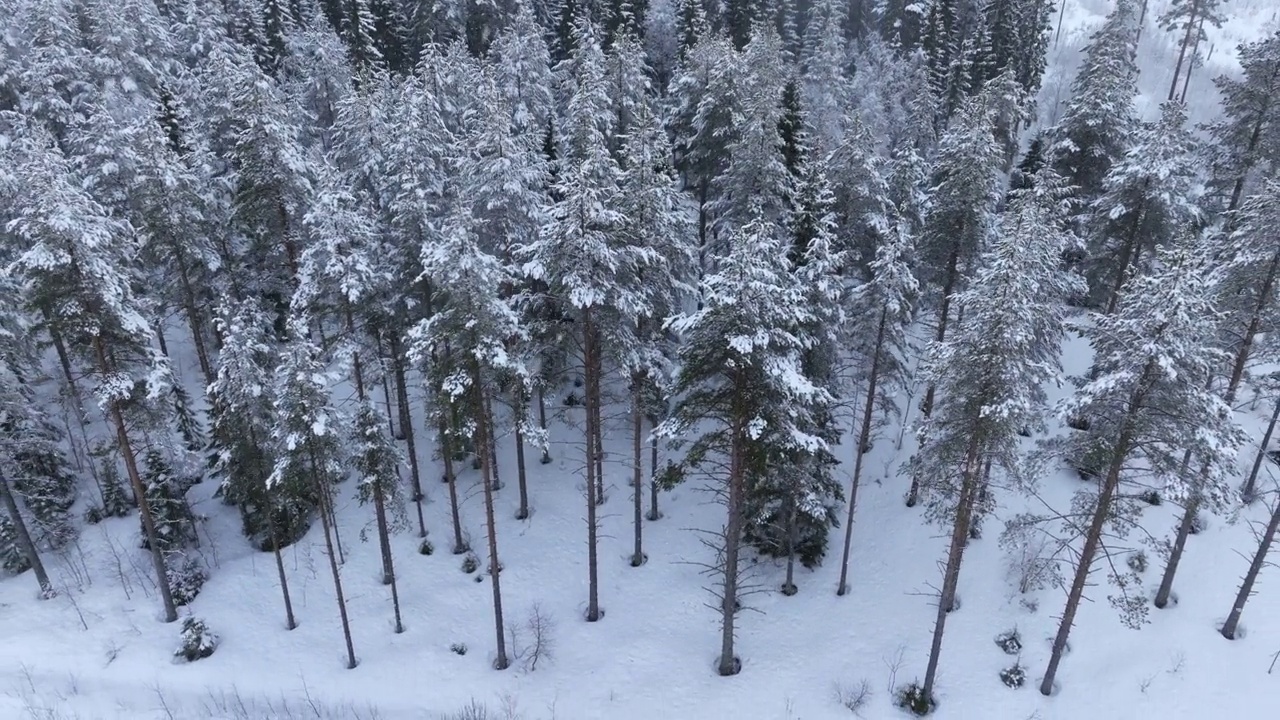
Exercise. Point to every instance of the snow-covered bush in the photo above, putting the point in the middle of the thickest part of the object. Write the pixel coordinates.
(1137, 562)
(470, 563)
(186, 577)
(1010, 642)
(12, 558)
(196, 641)
(911, 697)
(1014, 676)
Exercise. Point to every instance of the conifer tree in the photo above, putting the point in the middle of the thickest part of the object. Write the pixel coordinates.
(306, 442)
(1248, 136)
(1147, 394)
(1099, 118)
(990, 375)
(741, 385)
(377, 463)
(1189, 17)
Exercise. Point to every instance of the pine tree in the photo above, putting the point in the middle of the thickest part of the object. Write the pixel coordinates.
(990, 376)
(740, 384)
(900, 24)
(966, 189)
(1248, 136)
(881, 309)
(1099, 118)
(306, 439)
(1148, 394)
(1147, 197)
(175, 523)
(1189, 17)
(377, 463)
(1231, 626)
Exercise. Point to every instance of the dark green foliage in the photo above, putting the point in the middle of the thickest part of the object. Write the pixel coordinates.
(1010, 642)
(196, 641)
(166, 497)
(186, 577)
(1014, 676)
(911, 698)
(189, 426)
(12, 559)
(116, 502)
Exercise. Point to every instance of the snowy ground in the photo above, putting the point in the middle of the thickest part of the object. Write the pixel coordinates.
(100, 651)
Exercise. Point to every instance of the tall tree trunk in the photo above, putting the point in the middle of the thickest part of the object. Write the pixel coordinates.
(732, 543)
(654, 513)
(325, 488)
(1175, 554)
(598, 423)
(195, 321)
(393, 409)
(789, 583)
(951, 575)
(406, 427)
(263, 473)
(593, 579)
(356, 368)
(135, 479)
(637, 470)
(522, 478)
(160, 338)
(481, 406)
(542, 423)
(64, 360)
(1230, 627)
(337, 536)
(864, 437)
(492, 446)
(384, 541)
(1191, 64)
(1128, 256)
(926, 406)
(24, 540)
(446, 451)
(1251, 329)
(1094, 534)
(1255, 137)
(1249, 491)
(1182, 49)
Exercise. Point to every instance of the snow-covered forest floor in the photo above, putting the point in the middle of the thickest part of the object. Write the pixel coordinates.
(99, 650)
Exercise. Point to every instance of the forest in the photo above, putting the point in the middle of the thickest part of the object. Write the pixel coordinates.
(389, 272)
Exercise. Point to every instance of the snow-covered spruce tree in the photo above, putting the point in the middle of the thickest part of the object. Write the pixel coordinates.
(1147, 197)
(1251, 272)
(581, 252)
(1148, 395)
(824, 82)
(477, 326)
(900, 25)
(741, 389)
(654, 217)
(967, 187)
(377, 461)
(1187, 18)
(991, 375)
(880, 310)
(272, 515)
(306, 439)
(862, 204)
(1096, 125)
(1018, 32)
(76, 269)
(522, 65)
(1248, 135)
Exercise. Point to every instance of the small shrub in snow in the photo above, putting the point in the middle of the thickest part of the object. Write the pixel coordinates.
(1014, 676)
(1137, 562)
(1150, 497)
(458, 649)
(470, 563)
(854, 697)
(1198, 524)
(12, 559)
(186, 577)
(196, 640)
(1010, 642)
(910, 697)
(426, 548)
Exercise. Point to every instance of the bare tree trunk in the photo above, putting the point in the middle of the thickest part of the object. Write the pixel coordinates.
(788, 584)
(522, 410)
(384, 541)
(160, 338)
(263, 473)
(482, 431)
(324, 487)
(637, 472)
(1182, 49)
(654, 513)
(446, 451)
(492, 446)
(1191, 64)
(1230, 627)
(1094, 535)
(593, 579)
(1251, 330)
(64, 360)
(951, 575)
(24, 540)
(732, 542)
(598, 423)
(406, 427)
(864, 437)
(1175, 554)
(1249, 491)
(392, 409)
(135, 479)
(542, 423)
(926, 406)
(194, 320)
(333, 522)
(1128, 257)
